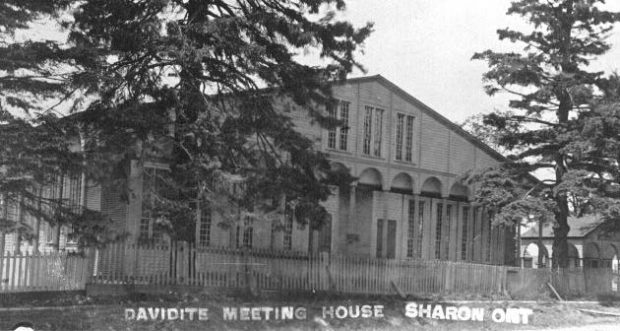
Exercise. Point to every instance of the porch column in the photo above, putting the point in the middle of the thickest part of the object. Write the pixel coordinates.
(351, 217)
(418, 228)
(445, 231)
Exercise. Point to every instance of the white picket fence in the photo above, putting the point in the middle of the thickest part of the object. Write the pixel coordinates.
(184, 264)
(54, 271)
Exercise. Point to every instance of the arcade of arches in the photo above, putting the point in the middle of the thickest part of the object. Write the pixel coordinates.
(581, 255)
(437, 223)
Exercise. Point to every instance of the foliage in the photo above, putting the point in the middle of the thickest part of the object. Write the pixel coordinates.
(195, 85)
(556, 96)
(488, 134)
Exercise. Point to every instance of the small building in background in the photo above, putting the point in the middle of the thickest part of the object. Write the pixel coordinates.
(591, 244)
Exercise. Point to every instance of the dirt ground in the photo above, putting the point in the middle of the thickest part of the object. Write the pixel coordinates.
(388, 314)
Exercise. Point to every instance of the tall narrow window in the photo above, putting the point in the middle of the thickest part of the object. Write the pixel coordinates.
(409, 139)
(74, 191)
(438, 228)
(325, 237)
(411, 231)
(204, 232)
(464, 233)
(367, 130)
(378, 131)
(420, 235)
(390, 249)
(404, 138)
(344, 129)
(245, 233)
(400, 123)
(331, 133)
(447, 230)
(143, 232)
(152, 187)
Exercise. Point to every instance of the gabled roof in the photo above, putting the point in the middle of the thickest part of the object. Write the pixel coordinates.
(427, 110)
(579, 227)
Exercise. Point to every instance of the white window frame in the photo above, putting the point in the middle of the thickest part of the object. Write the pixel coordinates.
(372, 133)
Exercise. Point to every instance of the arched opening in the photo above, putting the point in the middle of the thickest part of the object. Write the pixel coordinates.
(370, 178)
(339, 167)
(573, 256)
(459, 192)
(535, 256)
(608, 255)
(431, 188)
(402, 183)
(591, 256)
(615, 279)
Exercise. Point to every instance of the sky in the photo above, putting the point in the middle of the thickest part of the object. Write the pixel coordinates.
(425, 47)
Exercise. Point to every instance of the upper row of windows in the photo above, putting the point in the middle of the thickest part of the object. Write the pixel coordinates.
(372, 131)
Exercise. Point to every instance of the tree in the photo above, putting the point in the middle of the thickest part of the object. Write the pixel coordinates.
(490, 135)
(38, 155)
(197, 85)
(554, 93)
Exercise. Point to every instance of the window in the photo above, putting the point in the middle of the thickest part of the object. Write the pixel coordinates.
(386, 247)
(331, 133)
(49, 234)
(152, 187)
(74, 192)
(337, 137)
(325, 236)
(378, 131)
(367, 130)
(400, 122)
(464, 234)
(373, 135)
(411, 231)
(344, 129)
(420, 227)
(245, 233)
(447, 224)
(438, 228)
(404, 137)
(391, 239)
(204, 231)
(144, 230)
(409, 140)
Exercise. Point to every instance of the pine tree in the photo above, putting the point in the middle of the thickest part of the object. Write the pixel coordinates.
(199, 85)
(554, 92)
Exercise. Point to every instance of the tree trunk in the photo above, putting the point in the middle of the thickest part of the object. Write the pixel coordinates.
(560, 244)
(560, 239)
(59, 215)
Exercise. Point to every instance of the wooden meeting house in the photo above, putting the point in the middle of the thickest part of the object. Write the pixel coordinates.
(406, 203)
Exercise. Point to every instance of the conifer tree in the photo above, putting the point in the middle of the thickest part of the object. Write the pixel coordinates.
(554, 92)
(200, 86)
